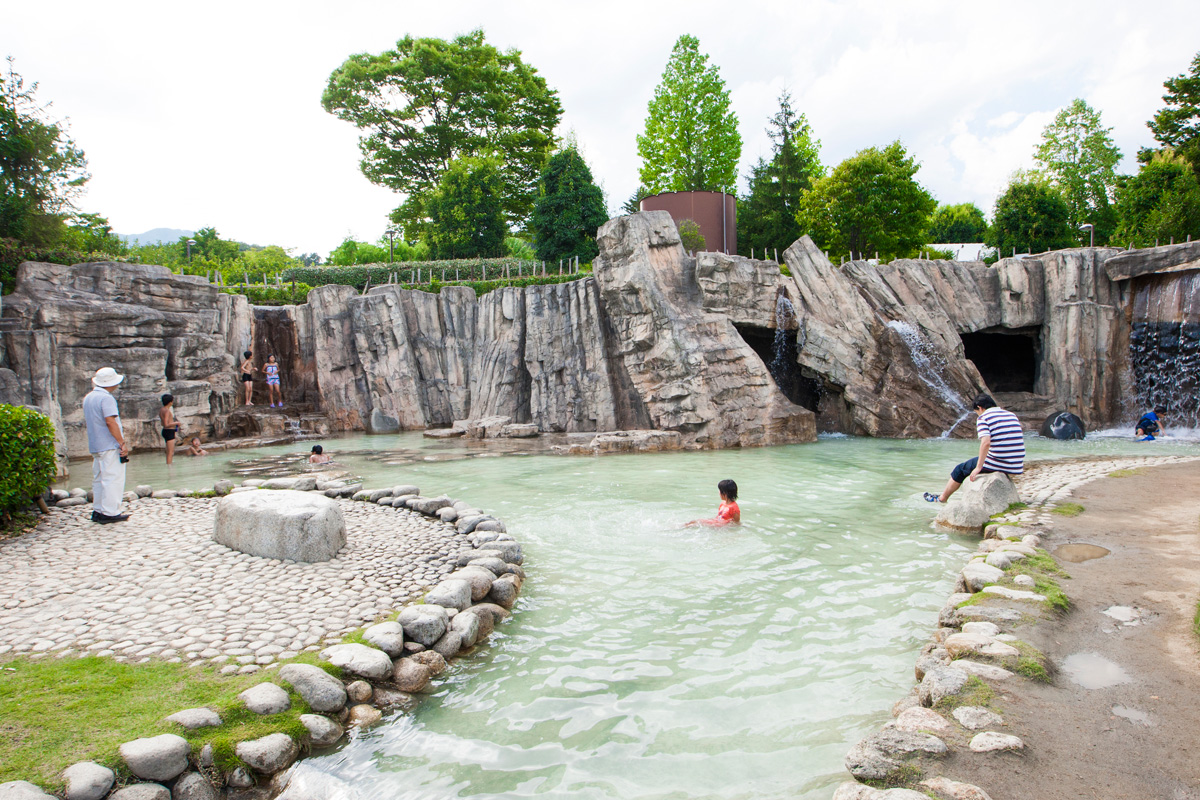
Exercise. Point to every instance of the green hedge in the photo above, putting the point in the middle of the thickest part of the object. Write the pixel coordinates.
(27, 451)
(483, 287)
(462, 270)
(272, 295)
(13, 252)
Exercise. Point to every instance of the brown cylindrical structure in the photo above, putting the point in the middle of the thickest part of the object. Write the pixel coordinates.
(714, 212)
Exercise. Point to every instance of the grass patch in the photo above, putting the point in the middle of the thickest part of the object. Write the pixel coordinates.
(903, 775)
(1067, 510)
(1041, 561)
(975, 693)
(1196, 622)
(1125, 473)
(57, 711)
(1031, 663)
(1044, 570)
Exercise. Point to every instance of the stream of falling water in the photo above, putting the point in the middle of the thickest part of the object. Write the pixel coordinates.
(927, 363)
(1164, 347)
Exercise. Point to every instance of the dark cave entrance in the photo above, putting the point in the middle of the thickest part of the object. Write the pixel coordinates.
(1006, 358)
(779, 352)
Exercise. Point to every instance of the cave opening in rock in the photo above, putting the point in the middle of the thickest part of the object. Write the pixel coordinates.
(778, 354)
(1006, 358)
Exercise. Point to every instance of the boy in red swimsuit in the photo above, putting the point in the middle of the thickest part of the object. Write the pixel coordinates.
(728, 513)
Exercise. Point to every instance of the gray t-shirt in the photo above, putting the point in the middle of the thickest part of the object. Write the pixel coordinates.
(99, 404)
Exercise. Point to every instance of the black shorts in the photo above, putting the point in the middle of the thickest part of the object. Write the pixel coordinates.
(246, 378)
(168, 434)
(964, 470)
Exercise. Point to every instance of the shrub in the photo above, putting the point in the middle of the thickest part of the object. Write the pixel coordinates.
(689, 234)
(13, 252)
(408, 272)
(27, 451)
(284, 295)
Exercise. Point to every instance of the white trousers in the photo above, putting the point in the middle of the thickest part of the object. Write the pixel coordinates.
(108, 482)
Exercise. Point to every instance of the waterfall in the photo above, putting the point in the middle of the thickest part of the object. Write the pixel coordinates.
(929, 366)
(1164, 346)
(781, 365)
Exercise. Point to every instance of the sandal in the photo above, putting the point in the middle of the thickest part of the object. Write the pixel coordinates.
(930, 497)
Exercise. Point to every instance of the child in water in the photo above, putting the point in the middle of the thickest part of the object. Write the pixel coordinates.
(728, 513)
(195, 448)
(319, 456)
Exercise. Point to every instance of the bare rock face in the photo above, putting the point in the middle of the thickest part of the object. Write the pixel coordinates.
(690, 368)
(1166, 258)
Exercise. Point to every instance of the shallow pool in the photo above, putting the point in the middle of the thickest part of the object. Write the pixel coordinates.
(650, 661)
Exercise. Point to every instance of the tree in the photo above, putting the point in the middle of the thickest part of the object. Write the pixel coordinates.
(957, 224)
(691, 141)
(569, 209)
(1032, 215)
(767, 214)
(210, 246)
(1178, 125)
(1160, 203)
(42, 170)
(1080, 158)
(634, 204)
(869, 203)
(466, 215)
(690, 236)
(91, 233)
(430, 101)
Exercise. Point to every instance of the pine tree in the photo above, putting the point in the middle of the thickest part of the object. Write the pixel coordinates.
(569, 209)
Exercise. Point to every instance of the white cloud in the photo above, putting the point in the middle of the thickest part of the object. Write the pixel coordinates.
(211, 115)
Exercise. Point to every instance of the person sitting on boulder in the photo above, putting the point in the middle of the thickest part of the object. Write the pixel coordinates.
(1149, 424)
(728, 513)
(195, 449)
(1001, 447)
(319, 456)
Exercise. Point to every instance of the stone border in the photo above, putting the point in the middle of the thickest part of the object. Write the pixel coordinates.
(966, 642)
(396, 660)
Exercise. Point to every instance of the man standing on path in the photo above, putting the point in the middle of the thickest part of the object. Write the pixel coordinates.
(1001, 447)
(106, 441)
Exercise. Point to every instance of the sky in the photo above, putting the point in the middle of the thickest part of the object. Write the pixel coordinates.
(196, 115)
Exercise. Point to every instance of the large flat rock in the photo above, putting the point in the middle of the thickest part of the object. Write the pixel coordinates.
(300, 526)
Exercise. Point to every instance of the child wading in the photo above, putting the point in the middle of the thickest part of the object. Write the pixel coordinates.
(170, 428)
(1149, 424)
(728, 513)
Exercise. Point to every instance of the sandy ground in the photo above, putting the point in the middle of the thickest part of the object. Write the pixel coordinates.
(1139, 738)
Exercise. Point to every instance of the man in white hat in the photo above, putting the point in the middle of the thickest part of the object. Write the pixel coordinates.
(106, 441)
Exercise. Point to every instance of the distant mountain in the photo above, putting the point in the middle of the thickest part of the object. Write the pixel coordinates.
(164, 235)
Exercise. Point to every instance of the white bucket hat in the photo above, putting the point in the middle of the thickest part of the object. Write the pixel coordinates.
(106, 377)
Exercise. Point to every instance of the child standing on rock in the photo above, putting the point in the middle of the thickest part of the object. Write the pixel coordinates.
(248, 370)
(728, 513)
(273, 390)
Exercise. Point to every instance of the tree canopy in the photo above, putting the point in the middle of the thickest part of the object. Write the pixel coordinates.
(1178, 124)
(1031, 215)
(42, 170)
(767, 214)
(569, 209)
(957, 224)
(1078, 155)
(1160, 203)
(691, 142)
(428, 102)
(869, 203)
(466, 216)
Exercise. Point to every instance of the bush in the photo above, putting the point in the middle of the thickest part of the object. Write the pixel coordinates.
(408, 272)
(284, 295)
(689, 234)
(13, 252)
(27, 450)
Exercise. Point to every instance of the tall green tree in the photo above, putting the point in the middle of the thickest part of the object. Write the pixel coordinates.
(42, 170)
(1031, 215)
(691, 141)
(569, 209)
(869, 203)
(1078, 155)
(957, 224)
(767, 214)
(1178, 124)
(428, 102)
(1160, 203)
(210, 246)
(466, 210)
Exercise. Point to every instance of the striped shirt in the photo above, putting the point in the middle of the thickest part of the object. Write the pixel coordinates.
(1007, 451)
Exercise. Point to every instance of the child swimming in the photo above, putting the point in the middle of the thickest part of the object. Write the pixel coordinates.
(728, 513)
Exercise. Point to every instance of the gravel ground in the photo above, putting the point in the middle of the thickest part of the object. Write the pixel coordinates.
(157, 586)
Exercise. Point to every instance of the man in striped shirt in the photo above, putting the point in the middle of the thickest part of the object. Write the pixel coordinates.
(1001, 447)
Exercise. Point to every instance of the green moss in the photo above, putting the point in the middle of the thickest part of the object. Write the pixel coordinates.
(975, 693)
(1040, 561)
(1125, 473)
(1067, 510)
(903, 775)
(1032, 669)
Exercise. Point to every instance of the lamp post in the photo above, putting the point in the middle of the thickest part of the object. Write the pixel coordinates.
(391, 234)
(190, 242)
(1091, 229)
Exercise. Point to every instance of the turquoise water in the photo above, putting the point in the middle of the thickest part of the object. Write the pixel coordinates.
(650, 661)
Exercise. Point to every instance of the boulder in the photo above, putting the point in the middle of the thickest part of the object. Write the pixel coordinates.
(87, 780)
(194, 718)
(431, 659)
(975, 503)
(306, 783)
(410, 676)
(358, 659)
(269, 754)
(992, 742)
(881, 753)
(1063, 425)
(853, 790)
(193, 786)
(424, 623)
(923, 720)
(977, 575)
(385, 699)
(987, 672)
(266, 698)
(322, 731)
(359, 691)
(363, 716)
(450, 593)
(940, 683)
(285, 524)
(387, 636)
(467, 626)
(22, 790)
(449, 645)
(976, 717)
(320, 690)
(1014, 594)
(447, 514)
(429, 505)
(946, 789)
(142, 791)
(156, 758)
